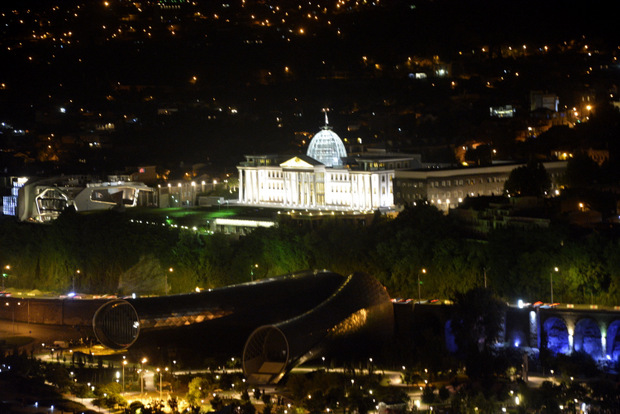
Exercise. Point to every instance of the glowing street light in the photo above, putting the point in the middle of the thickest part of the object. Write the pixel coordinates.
(419, 284)
(170, 270)
(161, 374)
(77, 272)
(124, 363)
(5, 274)
(556, 270)
(142, 375)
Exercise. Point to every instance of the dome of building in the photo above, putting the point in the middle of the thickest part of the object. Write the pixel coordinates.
(327, 148)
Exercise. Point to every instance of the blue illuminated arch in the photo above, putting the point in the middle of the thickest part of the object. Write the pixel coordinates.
(450, 339)
(557, 336)
(613, 341)
(587, 338)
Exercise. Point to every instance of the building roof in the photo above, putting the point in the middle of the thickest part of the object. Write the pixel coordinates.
(327, 148)
(300, 161)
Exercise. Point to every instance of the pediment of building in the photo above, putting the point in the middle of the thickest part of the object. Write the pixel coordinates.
(299, 162)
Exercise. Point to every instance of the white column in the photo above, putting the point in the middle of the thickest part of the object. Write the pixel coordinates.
(254, 186)
(247, 183)
(296, 188)
(361, 188)
(349, 187)
(241, 183)
(374, 196)
(306, 188)
(289, 187)
(302, 189)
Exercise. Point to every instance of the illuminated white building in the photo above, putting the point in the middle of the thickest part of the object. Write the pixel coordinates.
(321, 179)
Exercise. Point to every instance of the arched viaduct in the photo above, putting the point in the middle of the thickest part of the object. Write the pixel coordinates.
(561, 329)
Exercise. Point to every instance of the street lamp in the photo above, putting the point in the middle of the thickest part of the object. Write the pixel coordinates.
(555, 269)
(73, 280)
(5, 274)
(420, 283)
(124, 363)
(12, 306)
(170, 270)
(252, 271)
(161, 374)
(142, 375)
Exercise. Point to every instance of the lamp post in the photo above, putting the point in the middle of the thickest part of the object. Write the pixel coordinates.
(555, 269)
(170, 270)
(161, 374)
(419, 284)
(5, 274)
(73, 280)
(174, 367)
(142, 375)
(255, 266)
(124, 363)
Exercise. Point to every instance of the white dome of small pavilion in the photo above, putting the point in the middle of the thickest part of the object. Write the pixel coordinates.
(327, 148)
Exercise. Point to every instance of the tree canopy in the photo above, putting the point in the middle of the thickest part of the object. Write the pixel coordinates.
(529, 180)
(116, 255)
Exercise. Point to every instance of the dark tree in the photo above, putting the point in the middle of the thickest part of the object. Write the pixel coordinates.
(529, 180)
(476, 325)
(581, 172)
(217, 403)
(428, 395)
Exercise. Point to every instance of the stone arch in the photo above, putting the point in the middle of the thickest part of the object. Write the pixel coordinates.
(587, 338)
(613, 341)
(450, 339)
(517, 338)
(556, 334)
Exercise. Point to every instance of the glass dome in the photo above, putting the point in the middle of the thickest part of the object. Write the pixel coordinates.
(327, 148)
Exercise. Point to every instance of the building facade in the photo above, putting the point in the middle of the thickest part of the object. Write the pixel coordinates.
(447, 188)
(325, 178)
(302, 182)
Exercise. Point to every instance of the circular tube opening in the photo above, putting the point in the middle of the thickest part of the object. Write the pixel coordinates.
(116, 324)
(265, 355)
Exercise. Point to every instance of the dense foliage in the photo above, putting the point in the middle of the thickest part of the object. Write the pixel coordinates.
(116, 255)
(529, 180)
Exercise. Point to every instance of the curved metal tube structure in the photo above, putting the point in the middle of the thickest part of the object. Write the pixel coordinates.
(283, 321)
(359, 308)
(233, 310)
(116, 324)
